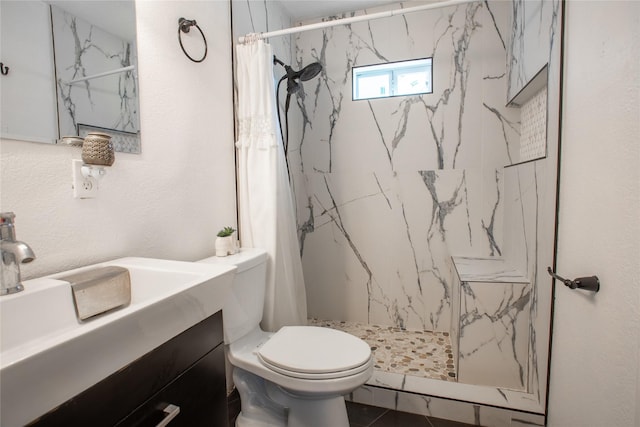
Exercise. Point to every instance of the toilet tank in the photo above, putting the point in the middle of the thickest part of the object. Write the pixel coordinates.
(242, 312)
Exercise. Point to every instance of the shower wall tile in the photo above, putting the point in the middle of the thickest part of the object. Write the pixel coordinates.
(500, 126)
(521, 198)
(493, 306)
(375, 252)
(530, 209)
(494, 334)
(533, 33)
(530, 188)
(387, 255)
(386, 189)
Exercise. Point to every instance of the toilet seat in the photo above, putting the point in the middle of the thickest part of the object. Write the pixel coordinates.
(310, 352)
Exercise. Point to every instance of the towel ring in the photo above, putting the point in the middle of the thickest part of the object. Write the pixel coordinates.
(184, 26)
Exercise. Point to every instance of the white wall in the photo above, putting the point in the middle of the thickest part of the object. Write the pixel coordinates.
(167, 202)
(596, 359)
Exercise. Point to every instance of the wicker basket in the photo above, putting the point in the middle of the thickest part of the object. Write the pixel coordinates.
(97, 149)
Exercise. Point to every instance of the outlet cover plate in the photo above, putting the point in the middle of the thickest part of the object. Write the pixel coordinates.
(83, 187)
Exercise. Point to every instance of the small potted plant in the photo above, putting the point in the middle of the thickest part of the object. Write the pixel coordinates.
(226, 242)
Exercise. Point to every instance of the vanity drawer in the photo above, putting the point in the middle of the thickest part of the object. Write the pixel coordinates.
(199, 393)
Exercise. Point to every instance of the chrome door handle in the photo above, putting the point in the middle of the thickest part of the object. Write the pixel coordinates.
(591, 283)
(171, 411)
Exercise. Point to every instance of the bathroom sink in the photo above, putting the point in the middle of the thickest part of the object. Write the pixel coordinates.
(47, 356)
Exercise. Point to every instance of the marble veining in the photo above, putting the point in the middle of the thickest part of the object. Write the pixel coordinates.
(494, 248)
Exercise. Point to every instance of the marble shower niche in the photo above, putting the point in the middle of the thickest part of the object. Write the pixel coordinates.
(391, 194)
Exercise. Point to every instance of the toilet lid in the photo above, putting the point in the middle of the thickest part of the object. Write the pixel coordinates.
(314, 350)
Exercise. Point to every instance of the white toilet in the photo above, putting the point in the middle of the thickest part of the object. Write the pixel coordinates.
(295, 377)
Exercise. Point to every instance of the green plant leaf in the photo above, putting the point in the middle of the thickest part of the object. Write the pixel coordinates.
(225, 232)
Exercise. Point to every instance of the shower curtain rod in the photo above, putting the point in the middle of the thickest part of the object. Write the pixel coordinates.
(345, 21)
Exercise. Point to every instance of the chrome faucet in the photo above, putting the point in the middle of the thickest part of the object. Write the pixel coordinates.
(13, 254)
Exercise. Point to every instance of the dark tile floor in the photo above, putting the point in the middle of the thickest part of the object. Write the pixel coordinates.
(367, 416)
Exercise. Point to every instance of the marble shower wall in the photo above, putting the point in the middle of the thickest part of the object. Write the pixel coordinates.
(386, 189)
(534, 30)
(530, 188)
(81, 50)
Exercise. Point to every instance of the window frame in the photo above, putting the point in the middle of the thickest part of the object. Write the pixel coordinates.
(392, 70)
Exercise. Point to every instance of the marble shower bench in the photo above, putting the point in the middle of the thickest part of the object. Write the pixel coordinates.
(490, 322)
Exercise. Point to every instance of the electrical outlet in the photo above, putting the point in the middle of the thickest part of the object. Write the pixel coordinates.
(83, 187)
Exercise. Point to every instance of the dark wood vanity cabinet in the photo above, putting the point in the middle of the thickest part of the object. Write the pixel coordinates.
(186, 372)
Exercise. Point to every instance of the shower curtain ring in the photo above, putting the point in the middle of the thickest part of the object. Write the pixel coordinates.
(184, 26)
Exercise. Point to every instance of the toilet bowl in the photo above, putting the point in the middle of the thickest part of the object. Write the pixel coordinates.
(296, 376)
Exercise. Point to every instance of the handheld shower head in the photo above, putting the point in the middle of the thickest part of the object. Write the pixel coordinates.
(307, 73)
(310, 71)
(294, 79)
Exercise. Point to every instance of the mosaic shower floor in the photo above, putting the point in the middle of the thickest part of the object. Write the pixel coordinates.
(408, 352)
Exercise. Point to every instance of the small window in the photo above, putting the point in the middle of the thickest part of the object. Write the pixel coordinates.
(393, 79)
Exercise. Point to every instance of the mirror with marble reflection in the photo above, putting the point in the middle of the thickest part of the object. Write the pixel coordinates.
(73, 65)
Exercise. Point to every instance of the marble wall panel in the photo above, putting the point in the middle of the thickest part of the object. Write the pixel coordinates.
(530, 188)
(431, 163)
(530, 209)
(494, 334)
(533, 32)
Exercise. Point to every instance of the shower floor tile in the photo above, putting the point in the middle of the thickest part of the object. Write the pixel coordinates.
(409, 352)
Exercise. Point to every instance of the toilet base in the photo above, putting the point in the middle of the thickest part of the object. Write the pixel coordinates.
(264, 404)
(319, 413)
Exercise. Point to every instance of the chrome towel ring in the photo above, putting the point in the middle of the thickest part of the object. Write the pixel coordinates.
(184, 26)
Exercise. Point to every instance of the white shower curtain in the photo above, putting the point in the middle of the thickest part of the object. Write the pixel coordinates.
(265, 204)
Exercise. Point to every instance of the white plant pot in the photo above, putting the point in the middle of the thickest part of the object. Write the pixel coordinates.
(226, 245)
